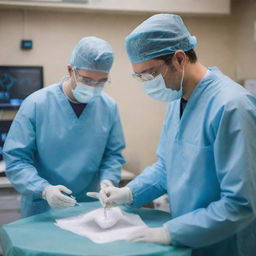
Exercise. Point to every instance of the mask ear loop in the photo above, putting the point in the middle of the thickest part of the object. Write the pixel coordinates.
(74, 72)
(182, 78)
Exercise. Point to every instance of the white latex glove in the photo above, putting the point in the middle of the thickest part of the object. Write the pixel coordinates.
(105, 184)
(100, 195)
(56, 199)
(151, 235)
(115, 196)
(112, 196)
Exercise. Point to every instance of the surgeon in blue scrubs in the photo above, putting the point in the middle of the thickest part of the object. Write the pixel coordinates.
(67, 139)
(207, 151)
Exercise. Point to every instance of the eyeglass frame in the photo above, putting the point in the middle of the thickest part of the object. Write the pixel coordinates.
(89, 81)
(147, 76)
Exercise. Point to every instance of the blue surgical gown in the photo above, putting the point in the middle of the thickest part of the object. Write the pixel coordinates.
(207, 165)
(48, 144)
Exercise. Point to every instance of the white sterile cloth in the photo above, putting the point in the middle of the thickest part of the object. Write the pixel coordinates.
(117, 225)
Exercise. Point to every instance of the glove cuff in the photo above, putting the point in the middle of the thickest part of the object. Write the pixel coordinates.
(167, 235)
(45, 191)
(129, 195)
(44, 194)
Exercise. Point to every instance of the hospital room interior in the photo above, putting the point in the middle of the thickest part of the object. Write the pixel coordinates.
(94, 161)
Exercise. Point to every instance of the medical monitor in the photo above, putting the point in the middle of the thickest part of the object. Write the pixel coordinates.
(17, 82)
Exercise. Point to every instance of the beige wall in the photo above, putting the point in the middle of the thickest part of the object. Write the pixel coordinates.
(221, 43)
(244, 41)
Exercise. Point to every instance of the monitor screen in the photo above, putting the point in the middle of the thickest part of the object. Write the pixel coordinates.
(17, 82)
(4, 129)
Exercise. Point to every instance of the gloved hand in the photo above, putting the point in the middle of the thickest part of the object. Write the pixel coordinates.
(105, 184)
(116, 196)
(100, 195)
(151, 235)
(56, 199)
(112, 196)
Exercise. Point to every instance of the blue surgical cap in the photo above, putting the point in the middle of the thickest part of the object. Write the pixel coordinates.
(92, 53)
(161, 34)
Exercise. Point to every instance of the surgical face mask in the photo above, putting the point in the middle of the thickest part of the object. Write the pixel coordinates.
(84, 93)
(157, 90)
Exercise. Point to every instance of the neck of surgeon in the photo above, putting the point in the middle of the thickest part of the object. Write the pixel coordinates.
(193, 74)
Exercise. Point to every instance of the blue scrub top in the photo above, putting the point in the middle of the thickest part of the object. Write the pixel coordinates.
(207, 165)
(48, 144)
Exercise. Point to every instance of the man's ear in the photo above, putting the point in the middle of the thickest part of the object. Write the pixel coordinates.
(69, 68)
(179, 59)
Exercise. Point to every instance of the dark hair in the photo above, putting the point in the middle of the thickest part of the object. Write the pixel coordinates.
(190, 53)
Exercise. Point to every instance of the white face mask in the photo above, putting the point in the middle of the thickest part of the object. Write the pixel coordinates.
(157, 90)
(84, 93)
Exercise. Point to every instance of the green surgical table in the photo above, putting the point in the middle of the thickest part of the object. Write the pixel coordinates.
(38, 236)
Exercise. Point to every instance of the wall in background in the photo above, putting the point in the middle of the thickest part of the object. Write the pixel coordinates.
(224, 41)
(243, 32)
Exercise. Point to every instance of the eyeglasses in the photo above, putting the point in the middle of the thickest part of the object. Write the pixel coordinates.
(91, 82)
(147, 76)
